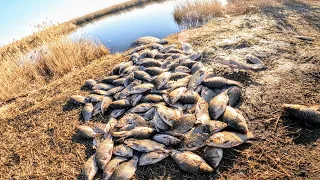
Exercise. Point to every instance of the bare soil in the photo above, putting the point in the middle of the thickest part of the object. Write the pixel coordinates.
(37, 132)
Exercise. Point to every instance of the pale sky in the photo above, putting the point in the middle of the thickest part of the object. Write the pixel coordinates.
(18, 17)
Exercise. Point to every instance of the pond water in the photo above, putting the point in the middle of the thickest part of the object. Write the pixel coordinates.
(119, 30)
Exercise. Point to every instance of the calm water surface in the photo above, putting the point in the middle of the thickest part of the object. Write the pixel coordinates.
(118, 31)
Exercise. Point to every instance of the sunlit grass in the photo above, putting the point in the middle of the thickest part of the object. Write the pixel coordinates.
(32, 62)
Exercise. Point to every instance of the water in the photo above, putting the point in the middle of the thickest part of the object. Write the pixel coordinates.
(118, 31)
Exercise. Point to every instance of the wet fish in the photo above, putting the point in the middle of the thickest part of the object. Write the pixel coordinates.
(106, 128)
(159, 123)
(226, 139)
(109, 79)
(154, 71)
(309, 115)
(104, 152)
(182, 69)
(213, 156)
(152, 157)
(118, 69)
(178, 75)
(188, 63)
(102, 86)
(125, 92)
(193, 141)
(196, 56)
(135, 98)
(181, 83)
(123, 151)
(114, 90)
(196, 79)
(141, 88)
(90, 168)
(190, 162)
(176, 94)
(202, 112)
(235, 120)
(149, 114)
(152, 98)
(234, 94)
(134, 58)
(196, 67)
(86, 132)
(90, 83)
(218, 105)
(87, 112)
(166, 139)
(162, 79)
(210, 127)
(78, 99)
(186, 48)
(150, 63)
(132, 119)
(141, 108)
(184, 124)
(119, 82)
(167, 48)
(137, 132)
(189, 97)
(168, 115)
(141, 75)
(111, 166)
(207, 93)
(117, 113)
(105, 103)
(144, 145)
(126, 170)
(220, 82)
(94, 98)
(119, 104)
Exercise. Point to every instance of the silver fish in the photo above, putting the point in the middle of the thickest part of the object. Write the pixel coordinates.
(94, 98)
(154, 71)
(196, 67)
(132, 119)
(150, 63)
(234, 94)
(213, 156)
(184, 124)
(218, 105)
(152, 157)
(235, 120)
(144, 145)
(122, 103)
(196, 56)
(168, 115)
(90, 83)
(141, 75)
(122, 150)
(152, 98)
(193, 141)
(186, 48)
(226, 139)
(141, 108)
(102, 86)
(109, 79)
(137, 132)
(309, 115)
(202, 112)
(176, 94)
(207, 93)
(86, 132)
(78, 99)
(178, 75)
(105, 103)
(141, 88)
(117, 113)
(87, 112)
(166, 139)
(220, 82)
(126, 170)
(111, 166)
(119, 82)
(181, 83)
(183, 69)
(189, 97)
(135, 98)
(159, 123)
(162, 79)
(190, 162)
(196, 79)
(90, 168)
(104, 152)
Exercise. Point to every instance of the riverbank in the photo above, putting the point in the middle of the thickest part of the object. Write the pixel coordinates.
(38, 138)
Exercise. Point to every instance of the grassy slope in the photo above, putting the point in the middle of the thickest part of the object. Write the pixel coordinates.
(37, 131)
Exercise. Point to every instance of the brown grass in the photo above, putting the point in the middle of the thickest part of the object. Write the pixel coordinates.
(194, 13)
(27, 66)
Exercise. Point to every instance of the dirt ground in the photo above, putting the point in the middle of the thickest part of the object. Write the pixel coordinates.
(37, 132)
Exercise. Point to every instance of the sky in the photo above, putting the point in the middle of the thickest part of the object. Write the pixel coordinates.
(18, 17)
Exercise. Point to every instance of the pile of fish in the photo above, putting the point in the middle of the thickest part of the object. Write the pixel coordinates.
(162, 103)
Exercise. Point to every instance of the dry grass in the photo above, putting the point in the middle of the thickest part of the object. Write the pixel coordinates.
(28, 66)
(194, 13)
